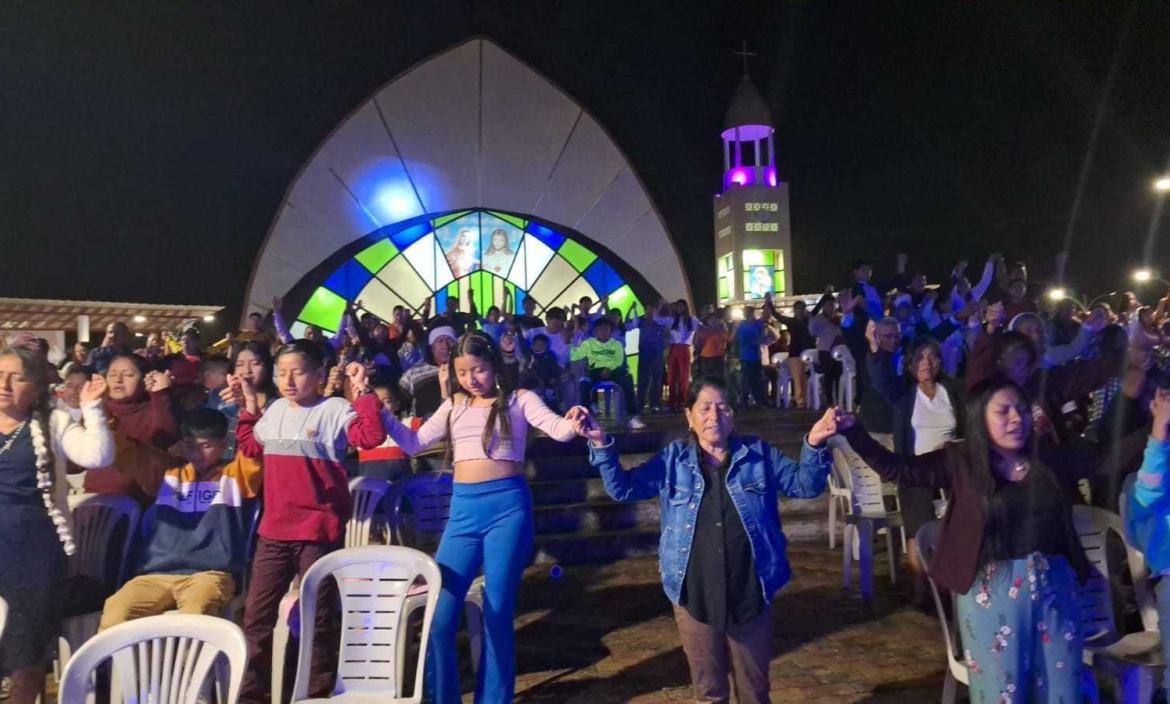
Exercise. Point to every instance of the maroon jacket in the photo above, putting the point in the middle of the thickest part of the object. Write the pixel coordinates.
(956, 558)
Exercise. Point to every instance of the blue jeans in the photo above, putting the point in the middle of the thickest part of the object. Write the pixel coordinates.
(490, 525)
(1021, 632)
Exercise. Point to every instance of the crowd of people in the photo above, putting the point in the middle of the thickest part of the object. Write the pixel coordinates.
(1017, 406)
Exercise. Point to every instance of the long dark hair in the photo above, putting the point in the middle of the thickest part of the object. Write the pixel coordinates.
(979, 447)
(684, 318)
(262, 353)
(478, 344)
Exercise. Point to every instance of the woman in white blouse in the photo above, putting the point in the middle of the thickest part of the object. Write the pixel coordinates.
(927, 413)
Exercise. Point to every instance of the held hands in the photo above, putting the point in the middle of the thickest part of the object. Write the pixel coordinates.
(835, 420)
(995, 316)
(585, 425)
(871, 336)
(1160, 408)
(94, 389)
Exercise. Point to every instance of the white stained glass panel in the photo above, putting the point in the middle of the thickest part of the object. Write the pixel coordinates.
(297, 330)
(422, 257)
(536, 257)
(379, 300)
(632, 337)
(557, 275)
(400, 278)
(443, 275)
(574, 293)
(517, 274)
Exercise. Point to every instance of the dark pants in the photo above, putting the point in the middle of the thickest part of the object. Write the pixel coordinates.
(650, 369)
(713, 366)
(751, 381)
(274, 566)
(832, 370)
(621, 377)
(749, 647)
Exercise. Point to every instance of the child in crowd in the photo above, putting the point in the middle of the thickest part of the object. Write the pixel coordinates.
(214, 372)
(607, 362)
(711, 342)
(194, 549)
(388, 461)
(1148, 514)
(486, 426)
(542, 371)
(302, 439)
(652, 340)
(681, 326)
(69, 392)
(494, 325)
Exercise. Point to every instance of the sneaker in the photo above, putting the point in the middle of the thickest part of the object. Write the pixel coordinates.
(636, 423)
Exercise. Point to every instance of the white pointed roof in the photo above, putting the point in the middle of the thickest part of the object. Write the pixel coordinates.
(471, 127)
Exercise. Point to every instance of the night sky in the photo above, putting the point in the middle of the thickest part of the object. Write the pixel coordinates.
(145, 147)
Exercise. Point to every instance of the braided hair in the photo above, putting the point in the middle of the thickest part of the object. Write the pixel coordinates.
(35, 370)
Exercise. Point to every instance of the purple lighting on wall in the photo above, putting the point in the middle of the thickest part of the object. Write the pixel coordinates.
(740, 176)
(770, 176)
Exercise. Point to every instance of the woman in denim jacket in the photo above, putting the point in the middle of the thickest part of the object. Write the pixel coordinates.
(722, 553)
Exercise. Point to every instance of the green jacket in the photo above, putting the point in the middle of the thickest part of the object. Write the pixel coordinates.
(601, 355)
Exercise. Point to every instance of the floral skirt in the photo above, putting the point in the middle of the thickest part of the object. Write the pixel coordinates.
(1020, 627)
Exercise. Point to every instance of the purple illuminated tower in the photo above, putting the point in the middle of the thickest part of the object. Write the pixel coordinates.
(753, 242)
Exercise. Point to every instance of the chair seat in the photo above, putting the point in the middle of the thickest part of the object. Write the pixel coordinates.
(352, 698)
(1143, 648)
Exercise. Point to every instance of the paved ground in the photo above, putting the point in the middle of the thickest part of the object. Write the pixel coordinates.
(605, 634)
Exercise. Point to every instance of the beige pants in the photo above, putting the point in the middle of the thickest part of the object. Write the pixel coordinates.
(743, 651)
(153, 594)
(799, 380)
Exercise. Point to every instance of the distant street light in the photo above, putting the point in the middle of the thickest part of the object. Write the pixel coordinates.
(1142, 275)
(209, 318)
(1057, 294)
(1162, 185)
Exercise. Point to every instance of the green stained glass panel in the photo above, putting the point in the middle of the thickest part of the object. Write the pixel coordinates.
(577, 255)
(623, 299)
(323, 309)
(443, 220)
(518, 222)
(377, 255)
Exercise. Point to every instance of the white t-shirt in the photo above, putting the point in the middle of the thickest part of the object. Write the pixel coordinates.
(933, 420)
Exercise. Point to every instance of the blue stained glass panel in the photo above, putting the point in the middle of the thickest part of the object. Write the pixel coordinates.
(349, 279)
(552, 238)
(603, 278)
(404, 238)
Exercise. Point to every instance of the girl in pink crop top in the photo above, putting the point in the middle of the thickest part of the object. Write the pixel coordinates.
(464, 423)
(490, 524)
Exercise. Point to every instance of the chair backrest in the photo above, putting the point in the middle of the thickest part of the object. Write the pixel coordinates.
(925, 543)
(429, 496)
(1093, 526)
(864, 484)
(161, 660)
(96, 521)
(367, 494)
(373, 582)
(3, 614)
(842, 354)
(809, 357)
(1139, 569)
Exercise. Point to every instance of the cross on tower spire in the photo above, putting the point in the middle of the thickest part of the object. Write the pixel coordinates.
(744, 53)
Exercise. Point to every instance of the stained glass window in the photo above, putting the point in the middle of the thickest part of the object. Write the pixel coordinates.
(497, 256)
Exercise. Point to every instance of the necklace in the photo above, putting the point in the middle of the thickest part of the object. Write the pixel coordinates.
(280, 434)
(12, 438)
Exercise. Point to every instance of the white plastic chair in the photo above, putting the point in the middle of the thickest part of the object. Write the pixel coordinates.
(783, 380)
(956, 668)
(373, 582)
(1133, 660)
(367, 494)
(161, 660)
(813, 392)
(96, 518)
(3, 614)
(957, 673)
(839, 500)
(867, 517)
(845, 385)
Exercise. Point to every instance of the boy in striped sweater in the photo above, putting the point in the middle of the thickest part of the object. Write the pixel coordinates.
(195, 537)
